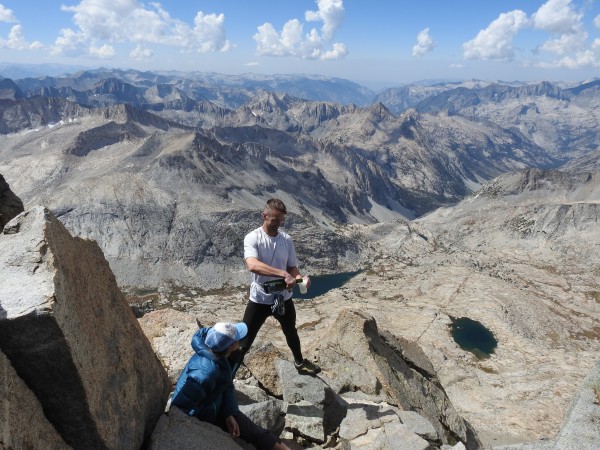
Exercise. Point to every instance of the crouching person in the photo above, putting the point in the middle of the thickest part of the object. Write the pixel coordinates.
(205, 387)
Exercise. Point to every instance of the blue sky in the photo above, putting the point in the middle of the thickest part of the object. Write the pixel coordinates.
(376, 42)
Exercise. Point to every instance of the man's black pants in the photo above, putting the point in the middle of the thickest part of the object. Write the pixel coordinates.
(255, 316)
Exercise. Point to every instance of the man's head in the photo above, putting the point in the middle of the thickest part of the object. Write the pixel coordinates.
(223, 335)
(273, 216)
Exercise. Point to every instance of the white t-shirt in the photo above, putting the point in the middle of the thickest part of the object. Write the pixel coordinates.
(276, 252)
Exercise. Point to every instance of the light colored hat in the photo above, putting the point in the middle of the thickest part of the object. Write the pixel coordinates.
(223, 334)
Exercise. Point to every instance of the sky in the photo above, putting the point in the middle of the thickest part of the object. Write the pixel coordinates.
(377, 43)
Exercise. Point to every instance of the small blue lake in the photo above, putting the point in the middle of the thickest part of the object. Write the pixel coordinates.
(472, 336)
(324, 283)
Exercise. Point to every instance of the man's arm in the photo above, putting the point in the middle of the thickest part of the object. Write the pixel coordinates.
(260, 268)
(229, 405)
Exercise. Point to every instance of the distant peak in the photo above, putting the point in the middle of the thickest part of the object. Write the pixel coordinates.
(379, 109)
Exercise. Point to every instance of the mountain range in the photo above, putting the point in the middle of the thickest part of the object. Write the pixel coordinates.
(137, 160)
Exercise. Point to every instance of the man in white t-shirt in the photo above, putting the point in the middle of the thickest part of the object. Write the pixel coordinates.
(269, 254)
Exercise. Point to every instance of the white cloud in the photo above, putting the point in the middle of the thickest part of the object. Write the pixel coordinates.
(424, 44)
(496, 41)
(580, 59)
(70, 43)
(268, 40)
(331, 13)
(104, 52)
(140, 53)
(556, 16)
(566, 43)
(586, 58)
(338, 52)
(210, 32)
(107, 21)
(6, 15)
(292, 41)
(565, 24)
(16, 41)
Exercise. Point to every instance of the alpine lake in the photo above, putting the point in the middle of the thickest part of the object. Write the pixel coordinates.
(473, 336)
(321, 284)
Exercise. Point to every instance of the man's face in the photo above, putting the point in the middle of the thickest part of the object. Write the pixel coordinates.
(273, 219)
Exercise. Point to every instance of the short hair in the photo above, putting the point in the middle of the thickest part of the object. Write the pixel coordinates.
(275, 203)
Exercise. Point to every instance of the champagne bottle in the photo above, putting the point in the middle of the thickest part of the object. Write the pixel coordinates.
(275, 285)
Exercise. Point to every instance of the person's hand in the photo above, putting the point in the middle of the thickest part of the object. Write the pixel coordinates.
(290, 281)
(307, 281)
(232, 426)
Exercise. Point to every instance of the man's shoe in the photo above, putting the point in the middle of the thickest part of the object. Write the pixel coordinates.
(307, 368)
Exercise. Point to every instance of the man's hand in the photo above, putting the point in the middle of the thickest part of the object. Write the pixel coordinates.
(301, 279)
(307, 281)
(232, 426)
(290, 281)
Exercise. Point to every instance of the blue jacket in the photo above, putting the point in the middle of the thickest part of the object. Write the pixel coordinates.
(205, 374)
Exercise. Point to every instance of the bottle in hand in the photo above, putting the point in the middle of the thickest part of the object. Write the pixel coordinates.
(275, 285)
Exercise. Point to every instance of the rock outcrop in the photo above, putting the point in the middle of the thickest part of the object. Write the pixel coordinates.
(72, 338)
(581, 429)
(356, 419)
(170, 333)
(381, 426)
(176, 430)
(314, 411)
(18, 406)
(373, 365)
(10, 204)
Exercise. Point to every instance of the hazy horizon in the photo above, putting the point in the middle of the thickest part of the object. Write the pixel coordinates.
(384, 43)
(56, 70)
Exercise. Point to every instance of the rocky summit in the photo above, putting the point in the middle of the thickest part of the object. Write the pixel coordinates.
(370, 393)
